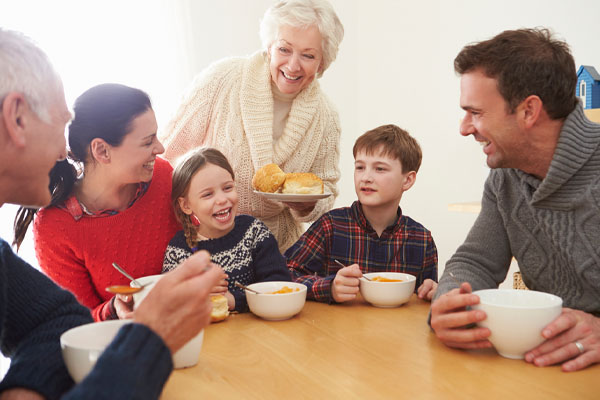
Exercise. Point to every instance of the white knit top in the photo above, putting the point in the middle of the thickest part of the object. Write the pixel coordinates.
(230, 107)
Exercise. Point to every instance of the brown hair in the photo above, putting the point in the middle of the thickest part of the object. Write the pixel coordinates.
(394, 142)
(526, 62)
(187, 166)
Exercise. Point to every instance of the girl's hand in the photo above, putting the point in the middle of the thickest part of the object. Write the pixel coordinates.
(221, 287)
(230, 300)
(124, 306)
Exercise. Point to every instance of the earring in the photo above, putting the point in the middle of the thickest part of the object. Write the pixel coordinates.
(195, 221)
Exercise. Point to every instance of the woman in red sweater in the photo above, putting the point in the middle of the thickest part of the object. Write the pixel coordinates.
(114, 208)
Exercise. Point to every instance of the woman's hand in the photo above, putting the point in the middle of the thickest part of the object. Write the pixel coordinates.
(124, 306)
(230, 300)
(303, 208)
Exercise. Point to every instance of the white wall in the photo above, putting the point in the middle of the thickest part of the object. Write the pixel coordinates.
(394, 66)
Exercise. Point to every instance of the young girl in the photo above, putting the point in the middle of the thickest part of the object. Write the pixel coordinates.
(205, 202)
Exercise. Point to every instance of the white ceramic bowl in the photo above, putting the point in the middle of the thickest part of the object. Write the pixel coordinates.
(189, 354)
(387, 294)
(276, 307)
(516, 318)
(82, 345)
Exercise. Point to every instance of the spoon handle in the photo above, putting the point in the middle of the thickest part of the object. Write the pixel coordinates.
(343, 266)
(121, 270)
(245, 287)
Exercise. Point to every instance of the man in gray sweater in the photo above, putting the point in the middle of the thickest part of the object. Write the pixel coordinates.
(541, 201)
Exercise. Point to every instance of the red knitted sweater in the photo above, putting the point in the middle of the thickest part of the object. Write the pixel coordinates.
(78, 255)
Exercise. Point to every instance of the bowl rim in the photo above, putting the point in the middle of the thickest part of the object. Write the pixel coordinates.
(302, 286)
(408, 278)
(556, 300)
(66, 340)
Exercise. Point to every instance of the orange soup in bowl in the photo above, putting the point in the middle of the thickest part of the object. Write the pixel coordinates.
(383, 279)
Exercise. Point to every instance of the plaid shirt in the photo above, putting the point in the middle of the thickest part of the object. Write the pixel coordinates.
(346, 235)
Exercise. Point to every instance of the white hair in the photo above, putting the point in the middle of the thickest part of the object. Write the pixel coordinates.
(25, 68)
(304, 13)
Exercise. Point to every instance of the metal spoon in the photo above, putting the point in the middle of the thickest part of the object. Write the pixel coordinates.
(131, 278)
(236, 283)
(343, 266)
(455, 279)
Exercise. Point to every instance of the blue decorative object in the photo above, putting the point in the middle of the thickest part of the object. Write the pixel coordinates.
(588, 87)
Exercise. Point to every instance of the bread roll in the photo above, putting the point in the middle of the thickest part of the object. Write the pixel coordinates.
(220, 308)
(268, 178)
(302, 183)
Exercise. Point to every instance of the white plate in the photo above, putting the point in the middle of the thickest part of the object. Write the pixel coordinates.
(293, 198)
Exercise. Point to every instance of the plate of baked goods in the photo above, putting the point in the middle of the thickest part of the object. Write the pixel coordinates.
(274, 184)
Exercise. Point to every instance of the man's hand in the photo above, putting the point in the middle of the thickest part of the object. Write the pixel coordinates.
(449, 319)
(178, 306)
(345, 284)
(562, 334)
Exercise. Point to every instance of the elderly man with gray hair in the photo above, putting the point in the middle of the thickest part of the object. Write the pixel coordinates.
(34, 312)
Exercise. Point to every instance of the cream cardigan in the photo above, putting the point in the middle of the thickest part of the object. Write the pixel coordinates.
(230, 107)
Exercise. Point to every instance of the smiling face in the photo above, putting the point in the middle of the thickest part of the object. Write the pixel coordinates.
(489, 122)
(295, 58)
(133, 160)
(212, 198)
(379, 181)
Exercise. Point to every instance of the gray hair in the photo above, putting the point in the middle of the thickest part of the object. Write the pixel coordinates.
(304, 13)
(25, 68)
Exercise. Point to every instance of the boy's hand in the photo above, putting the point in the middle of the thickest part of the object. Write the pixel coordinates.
(427, 289)
(345, 283)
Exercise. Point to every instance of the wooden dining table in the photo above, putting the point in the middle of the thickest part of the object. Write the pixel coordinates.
(357, 351)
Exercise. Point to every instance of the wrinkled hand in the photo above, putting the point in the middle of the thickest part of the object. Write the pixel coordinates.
(124, 306)
(449, 319)
(304, 208)
(20, 394)
(345, 284)
(561, 334)
(178, 306)
(221, 286)
(427, 289)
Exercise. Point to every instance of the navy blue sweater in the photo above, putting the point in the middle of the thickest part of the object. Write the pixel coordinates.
(34, 312)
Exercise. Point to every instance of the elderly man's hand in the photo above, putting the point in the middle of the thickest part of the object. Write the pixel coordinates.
(450, 319)
(572, 339)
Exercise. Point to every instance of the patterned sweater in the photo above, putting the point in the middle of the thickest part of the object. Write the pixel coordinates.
(34, 312)
(230, 107)
(248, 254)
(550, 226)
(78, 254)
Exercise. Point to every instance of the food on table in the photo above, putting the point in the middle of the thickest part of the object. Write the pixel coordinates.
(220, 308)
(284, 290)
(268, 179)
(383, 279)
(302, 183)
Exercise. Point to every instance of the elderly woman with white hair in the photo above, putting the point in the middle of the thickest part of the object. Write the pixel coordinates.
(269, 108)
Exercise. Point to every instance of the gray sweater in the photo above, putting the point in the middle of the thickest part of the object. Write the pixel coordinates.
(550, 226)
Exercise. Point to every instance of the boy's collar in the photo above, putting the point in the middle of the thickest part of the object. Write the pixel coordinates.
(366, 225)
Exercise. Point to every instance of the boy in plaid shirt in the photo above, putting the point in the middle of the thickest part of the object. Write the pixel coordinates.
(371, 235)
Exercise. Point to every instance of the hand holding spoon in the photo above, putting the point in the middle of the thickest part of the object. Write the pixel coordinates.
(343, 266)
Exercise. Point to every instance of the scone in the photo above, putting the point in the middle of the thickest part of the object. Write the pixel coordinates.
(220, 309)
(302, 183)
(268, 178)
